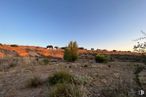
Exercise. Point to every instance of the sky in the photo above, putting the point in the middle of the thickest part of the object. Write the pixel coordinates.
(102, 24)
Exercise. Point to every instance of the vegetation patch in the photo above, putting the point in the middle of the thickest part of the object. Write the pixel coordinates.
(66, 85)
(67, 90)
(102, 58)
(144, 59)
(45, 61)
(138, 69)
(61, 77)
(7, 63)
(12, 65)
(81, 80)
(122, 89)
(127, 58)
(71, 52)
(34, 82)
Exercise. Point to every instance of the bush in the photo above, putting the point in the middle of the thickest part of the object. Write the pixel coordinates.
(66, 90)
(66, 85)
(92, 49)
(63, 48)
(34, 82)
(71, 52)
(45, 61)
(61, 77)
(102, 58)
(81, 48)
(12, 65)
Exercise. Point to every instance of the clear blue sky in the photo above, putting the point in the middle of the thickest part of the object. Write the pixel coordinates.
(104, 24)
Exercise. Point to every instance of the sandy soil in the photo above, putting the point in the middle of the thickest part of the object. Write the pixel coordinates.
(14, 79)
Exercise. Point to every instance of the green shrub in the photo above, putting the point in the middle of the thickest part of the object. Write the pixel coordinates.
(61, 77)
(71, 52)
(45, 61)
(66, 90)
(102, 58)
(34, 82)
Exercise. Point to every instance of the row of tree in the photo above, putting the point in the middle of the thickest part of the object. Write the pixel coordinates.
(80, 48)
(56, 47)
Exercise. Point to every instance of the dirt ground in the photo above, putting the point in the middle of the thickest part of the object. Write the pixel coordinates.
(14, 78)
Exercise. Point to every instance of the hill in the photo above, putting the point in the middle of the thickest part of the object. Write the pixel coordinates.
(25, 51)
(25, 71)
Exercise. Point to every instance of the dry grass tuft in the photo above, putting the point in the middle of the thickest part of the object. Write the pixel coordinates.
(67, 90)
(34, 82)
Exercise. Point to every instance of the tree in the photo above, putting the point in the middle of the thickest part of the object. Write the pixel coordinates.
(63, 48)
(56, 47)
(71, 52)
(81, 48)
(140, 46)
(49, 47)
(92, 49)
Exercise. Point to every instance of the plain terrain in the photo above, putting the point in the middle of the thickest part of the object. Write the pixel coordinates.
(16, 71)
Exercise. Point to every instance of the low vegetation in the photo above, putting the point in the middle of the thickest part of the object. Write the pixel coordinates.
(121, 89)
(138, 69)
(45, 61)
(144, 59)
(102, 58)
(127, 58)
(34, 82)
(61, 77)
(65, 85)
(67, 90)
(86, 77)
(71, 52)
(8, 63)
